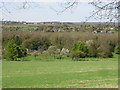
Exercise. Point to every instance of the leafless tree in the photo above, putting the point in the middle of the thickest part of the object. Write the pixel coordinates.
(104, 9)
(68, 5)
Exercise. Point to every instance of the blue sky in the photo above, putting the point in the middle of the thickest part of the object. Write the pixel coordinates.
(43, 12)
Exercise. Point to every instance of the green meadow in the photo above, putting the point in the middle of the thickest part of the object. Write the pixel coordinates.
(102, 73)
(28, 28)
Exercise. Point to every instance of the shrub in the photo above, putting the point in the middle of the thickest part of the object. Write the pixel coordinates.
(35, 53)
(92, 50)
(42, 40)
(37, 43)
(22, 52)
(52, 50)
(64, 51)
(46, 53)
(17, 39)
(77, 54)
(58, 41)
(14, 51)
(117, 49)
(106, 55)
(104, 51)
(80, 46)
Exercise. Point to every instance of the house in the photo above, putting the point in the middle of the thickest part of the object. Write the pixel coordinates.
(96, 32)
(111, 28)
(110, 32)
(103, 31)
(24, 23)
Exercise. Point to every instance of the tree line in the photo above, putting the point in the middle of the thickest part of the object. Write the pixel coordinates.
(17, 44)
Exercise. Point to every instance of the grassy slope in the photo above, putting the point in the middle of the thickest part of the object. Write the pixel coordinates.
(71, 74)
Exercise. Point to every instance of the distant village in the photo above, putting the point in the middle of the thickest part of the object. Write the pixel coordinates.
(26, 23)
(106, 30)
(55, 26)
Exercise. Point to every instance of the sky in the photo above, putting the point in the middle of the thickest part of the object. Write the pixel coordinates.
(47, 11)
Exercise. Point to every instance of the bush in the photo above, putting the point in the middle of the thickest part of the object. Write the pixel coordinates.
(37, 43)
(40, 41)
(106, 55)
(35, 53)
(117, 49)
(80, 46)
(104, 52)
(77, 54)
(17, 40)
(52, 50)
(58, 41)
(93, 50)
(46, 53)
(14, 51)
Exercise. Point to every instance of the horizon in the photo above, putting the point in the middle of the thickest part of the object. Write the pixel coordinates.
(55, 21)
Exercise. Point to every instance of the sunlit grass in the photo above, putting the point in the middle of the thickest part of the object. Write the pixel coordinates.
(79, 74)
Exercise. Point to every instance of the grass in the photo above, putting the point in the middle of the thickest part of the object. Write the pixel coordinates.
(28, 28)
(46, 58)
(65, 58)
(60, 74)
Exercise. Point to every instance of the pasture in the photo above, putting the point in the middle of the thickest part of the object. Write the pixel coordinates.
(60, 74)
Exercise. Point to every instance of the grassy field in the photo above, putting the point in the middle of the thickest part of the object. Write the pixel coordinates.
(65, 58)
(28, 28)
(35, 74)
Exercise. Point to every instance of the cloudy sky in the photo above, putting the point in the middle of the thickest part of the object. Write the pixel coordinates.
(45, 11)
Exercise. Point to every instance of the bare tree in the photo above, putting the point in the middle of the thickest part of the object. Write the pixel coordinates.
(104, 9)
(68, 5)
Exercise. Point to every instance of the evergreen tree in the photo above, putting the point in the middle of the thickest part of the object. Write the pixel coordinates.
(14, 51)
